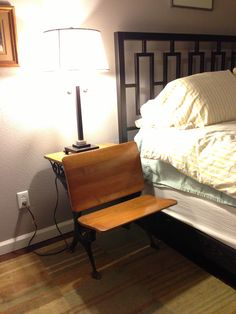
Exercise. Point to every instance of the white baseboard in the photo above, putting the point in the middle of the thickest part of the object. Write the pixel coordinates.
(22, 241)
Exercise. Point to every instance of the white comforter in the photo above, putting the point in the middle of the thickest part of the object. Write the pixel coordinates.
(206, 154)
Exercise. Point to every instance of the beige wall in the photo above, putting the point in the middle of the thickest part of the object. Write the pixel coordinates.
(37, 114)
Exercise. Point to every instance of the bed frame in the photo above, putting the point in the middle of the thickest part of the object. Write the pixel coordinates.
(145, 63)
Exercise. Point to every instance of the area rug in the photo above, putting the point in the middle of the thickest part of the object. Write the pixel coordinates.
(135, 279)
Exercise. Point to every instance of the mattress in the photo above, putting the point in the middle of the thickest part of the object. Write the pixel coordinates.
(215, 219)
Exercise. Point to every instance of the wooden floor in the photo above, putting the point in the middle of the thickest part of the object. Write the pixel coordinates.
(136, 279)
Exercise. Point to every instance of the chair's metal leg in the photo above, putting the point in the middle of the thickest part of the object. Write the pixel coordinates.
(153, 241)
(145, 224)
(85, 236)
(75, 240)
(73, 245)
(88, 248)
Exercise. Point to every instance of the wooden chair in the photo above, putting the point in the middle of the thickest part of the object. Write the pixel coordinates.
(97, 179)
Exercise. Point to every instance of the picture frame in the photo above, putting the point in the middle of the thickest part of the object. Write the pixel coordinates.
(193, 4)
(8, 37)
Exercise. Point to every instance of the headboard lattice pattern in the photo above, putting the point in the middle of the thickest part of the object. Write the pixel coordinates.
(146, 62)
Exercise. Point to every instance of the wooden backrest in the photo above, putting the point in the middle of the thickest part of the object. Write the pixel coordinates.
(103, 175)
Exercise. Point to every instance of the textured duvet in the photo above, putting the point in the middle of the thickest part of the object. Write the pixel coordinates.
(206, 154)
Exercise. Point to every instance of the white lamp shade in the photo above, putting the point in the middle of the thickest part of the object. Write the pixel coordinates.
(75, 49)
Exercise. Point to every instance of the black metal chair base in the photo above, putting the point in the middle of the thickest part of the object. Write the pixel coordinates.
(73, 245)
(96, 275)
(153, 242)
(85, 237)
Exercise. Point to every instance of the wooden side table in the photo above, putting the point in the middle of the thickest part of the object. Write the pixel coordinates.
(55, 160)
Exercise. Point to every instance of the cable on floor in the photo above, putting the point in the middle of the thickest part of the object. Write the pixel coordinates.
(55, 222)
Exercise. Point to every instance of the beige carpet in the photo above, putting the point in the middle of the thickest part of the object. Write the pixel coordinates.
(135, 279)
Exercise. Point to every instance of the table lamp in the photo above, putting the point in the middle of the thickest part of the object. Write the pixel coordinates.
(76, 49)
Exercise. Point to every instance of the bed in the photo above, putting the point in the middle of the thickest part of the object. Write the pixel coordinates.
(151, 69)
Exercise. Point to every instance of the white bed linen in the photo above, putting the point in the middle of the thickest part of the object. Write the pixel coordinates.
(205, 154)
(216, 220)
(193, 101)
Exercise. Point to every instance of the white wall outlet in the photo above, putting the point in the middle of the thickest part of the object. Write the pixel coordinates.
(23, 199)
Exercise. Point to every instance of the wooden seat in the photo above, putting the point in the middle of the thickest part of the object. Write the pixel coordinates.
(100, 177)
(123, 213)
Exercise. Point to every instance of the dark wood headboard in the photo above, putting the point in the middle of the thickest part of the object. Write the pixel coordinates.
(146, 62)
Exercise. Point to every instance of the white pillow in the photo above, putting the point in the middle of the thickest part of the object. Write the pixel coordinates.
(193, 101)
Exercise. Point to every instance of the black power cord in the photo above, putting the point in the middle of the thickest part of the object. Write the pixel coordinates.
(55, 222)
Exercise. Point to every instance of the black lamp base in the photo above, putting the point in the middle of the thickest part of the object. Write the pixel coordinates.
(79, 149)
(81, 145)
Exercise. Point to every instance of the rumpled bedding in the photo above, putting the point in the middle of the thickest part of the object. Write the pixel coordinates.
(206, 154)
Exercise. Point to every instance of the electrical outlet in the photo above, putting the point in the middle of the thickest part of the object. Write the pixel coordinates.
(23, 199)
